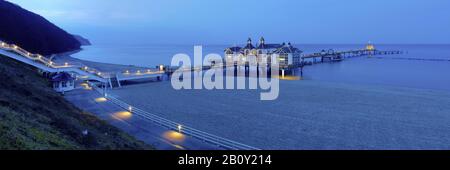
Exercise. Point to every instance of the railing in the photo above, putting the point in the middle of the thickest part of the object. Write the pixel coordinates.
(206, 137)
(139, 73)
(47, 62)
(79, 66)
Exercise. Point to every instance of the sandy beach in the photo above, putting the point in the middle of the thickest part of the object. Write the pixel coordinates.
(103, 67)
(308, 114)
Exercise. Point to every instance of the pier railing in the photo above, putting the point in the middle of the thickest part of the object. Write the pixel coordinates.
(171, 125)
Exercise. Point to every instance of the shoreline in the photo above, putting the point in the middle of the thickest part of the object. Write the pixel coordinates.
(100, 66)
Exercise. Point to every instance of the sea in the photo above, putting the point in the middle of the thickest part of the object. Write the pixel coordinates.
(394, 70)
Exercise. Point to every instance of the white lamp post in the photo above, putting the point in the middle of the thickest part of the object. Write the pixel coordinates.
(179, 128)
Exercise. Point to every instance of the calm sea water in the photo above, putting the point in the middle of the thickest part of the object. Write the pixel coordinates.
(363, 70)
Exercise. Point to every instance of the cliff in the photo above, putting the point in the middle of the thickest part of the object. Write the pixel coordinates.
(83, 41)
(33, 32)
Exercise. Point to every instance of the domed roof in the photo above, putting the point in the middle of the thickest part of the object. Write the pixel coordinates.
(235, 49)
(288, 49)
(249, 45)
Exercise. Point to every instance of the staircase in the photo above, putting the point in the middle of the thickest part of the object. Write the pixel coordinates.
(45, 64)
(114, 81)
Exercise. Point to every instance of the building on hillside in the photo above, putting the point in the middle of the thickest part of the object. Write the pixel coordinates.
(286, 54)
(63, 82)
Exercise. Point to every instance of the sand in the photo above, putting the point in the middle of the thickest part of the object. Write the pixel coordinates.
(308, 114)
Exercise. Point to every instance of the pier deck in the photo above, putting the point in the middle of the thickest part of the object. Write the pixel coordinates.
(341, 55)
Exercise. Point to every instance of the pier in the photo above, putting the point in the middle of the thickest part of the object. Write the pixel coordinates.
(333, 56)
(338, 56)
(325, 56)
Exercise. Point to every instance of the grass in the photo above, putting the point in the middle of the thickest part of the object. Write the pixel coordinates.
(34, 117)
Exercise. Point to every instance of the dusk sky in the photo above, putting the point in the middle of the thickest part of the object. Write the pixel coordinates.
(233, 21)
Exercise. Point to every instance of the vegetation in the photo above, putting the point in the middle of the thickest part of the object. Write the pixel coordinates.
(33, 116)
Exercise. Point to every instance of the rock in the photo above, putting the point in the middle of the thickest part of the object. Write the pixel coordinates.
(83, 41)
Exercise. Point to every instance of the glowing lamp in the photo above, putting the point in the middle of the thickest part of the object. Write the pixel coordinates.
(101, 99)
(124, 115)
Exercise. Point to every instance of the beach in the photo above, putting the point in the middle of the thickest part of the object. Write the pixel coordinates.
(100, 66)
(307, 115)
(157, 136)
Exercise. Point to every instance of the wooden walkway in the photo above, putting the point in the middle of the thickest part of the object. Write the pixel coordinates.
(332, 55)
